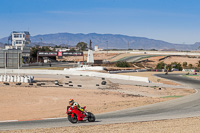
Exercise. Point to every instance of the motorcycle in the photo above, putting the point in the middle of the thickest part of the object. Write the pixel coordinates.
(75, 115)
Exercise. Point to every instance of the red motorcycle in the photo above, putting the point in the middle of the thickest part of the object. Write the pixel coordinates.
(75, 115)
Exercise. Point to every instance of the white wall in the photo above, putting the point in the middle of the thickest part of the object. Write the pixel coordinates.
(75, 72)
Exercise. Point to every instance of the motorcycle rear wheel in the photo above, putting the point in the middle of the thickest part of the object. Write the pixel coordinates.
(72, 119)
(91, 117)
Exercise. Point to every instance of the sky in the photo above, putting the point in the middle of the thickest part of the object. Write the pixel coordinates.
(174, 21)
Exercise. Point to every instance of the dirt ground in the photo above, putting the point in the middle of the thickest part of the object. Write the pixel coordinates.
(192, 61)
(152, 78)
(49, 100)
(185, 125)
(97, 56)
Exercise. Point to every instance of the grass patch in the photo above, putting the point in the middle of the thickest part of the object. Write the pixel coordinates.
(171, 97)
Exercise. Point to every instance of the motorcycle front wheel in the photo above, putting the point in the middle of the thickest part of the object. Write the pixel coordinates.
(91, 117)
(73, 119)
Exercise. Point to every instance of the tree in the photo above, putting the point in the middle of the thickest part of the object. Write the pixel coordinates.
(184, 64)
(34, 50)
(190, 65)
(160, 65)
(81, 46)
(169, 67)
(198, 64)
(177, 66)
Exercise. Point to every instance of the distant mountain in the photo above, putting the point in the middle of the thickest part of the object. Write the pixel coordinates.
(113, 41)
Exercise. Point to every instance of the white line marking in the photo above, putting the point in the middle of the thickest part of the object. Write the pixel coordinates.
(8, 121)
(54, 118)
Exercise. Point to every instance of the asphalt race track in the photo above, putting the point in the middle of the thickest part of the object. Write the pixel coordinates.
(188, 106)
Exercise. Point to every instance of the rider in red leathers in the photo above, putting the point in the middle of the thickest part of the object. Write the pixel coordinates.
(75, 104)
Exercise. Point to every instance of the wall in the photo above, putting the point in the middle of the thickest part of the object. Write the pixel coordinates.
(75, 72)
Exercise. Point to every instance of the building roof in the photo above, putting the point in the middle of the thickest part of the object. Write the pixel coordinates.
(26, 32)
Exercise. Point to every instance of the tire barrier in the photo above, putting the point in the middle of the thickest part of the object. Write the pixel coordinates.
(15, 78)
(56, 82)
(38, 84)
(103, 82)
(6, 83)
(18, 83)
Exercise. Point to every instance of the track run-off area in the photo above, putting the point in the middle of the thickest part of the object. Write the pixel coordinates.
(188, 106)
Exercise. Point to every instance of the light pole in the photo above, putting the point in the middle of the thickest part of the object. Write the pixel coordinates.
(41, 41)
(128, 45)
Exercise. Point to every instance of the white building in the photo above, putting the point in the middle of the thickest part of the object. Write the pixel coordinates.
(96, 48)
(19, 39)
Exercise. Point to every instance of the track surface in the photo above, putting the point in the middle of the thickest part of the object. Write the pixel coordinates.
(188, 106)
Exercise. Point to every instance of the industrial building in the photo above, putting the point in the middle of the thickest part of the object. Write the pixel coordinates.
(16, 52)
(10, 58)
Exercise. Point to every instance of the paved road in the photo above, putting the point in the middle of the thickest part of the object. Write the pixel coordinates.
(135, 58)
(187, 106)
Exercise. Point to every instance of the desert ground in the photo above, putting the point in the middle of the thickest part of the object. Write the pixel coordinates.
(49, 100)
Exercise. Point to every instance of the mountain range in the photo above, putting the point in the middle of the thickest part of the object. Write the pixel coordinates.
(110, 41)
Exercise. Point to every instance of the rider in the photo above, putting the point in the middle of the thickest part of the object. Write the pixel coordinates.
(75, 104)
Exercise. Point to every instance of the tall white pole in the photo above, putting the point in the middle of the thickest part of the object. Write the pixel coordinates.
(18, 62)
(5, 60)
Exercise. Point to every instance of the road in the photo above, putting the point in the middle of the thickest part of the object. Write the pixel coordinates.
(136, 58)
(188, 106)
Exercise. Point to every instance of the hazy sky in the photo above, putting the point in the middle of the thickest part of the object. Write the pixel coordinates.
(175, 21)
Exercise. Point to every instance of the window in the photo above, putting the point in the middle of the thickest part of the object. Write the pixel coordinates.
(18, 42)
(18, 35)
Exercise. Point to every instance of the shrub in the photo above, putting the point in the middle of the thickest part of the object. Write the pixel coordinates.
(177, 66)
(184, 64)
(122, 64)
(190, 65)
(160, 65)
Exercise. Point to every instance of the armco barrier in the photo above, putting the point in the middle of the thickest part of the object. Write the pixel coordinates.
(75, 72)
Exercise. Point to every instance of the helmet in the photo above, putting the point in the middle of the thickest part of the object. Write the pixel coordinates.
(71, 101)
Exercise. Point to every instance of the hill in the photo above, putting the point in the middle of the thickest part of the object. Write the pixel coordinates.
(114, 41)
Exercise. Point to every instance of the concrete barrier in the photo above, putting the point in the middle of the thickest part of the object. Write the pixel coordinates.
(78, 73)
(11, 78)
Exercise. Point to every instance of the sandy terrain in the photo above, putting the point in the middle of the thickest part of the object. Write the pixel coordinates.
(97, 56)
(50, 101)
(151, 77)
(185, 125)
(192, 61)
